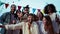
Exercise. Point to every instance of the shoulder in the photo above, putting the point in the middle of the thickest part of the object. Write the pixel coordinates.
(58, 16)
(34, 24)
(6, 13)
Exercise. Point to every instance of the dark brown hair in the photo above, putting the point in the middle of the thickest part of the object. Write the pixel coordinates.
(51, 6)
(49, 25)
(48, 20)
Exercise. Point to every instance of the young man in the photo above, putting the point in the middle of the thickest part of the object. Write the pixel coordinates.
(8, 17)
(26, 12)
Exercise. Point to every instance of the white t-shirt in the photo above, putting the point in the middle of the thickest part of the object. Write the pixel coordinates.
(43, 30)
(24, 26)
(54, 23)
(41, 27)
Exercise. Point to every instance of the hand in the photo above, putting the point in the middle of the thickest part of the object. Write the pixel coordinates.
(14, 21)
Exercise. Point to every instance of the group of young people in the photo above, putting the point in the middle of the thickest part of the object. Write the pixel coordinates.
(23, 22)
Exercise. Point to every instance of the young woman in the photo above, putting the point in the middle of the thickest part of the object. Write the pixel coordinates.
(40, 15)
(26, 12)
(28, 27)
(19, 18)
(51, 11)
(47, 25)
(39, 21)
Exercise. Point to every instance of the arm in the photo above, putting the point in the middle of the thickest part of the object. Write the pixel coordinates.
(2, 26)
(13, 26)
(2, 18)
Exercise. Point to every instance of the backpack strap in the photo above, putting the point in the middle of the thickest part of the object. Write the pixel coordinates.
(57, 19)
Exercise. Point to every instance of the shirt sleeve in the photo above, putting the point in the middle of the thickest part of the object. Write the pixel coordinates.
(36, 31)
(14, 26)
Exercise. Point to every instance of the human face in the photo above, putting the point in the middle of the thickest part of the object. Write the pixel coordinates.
(26, 10)
(29, 18)
(44, 20)
(19, 15)
(13, 8)
(49, 9)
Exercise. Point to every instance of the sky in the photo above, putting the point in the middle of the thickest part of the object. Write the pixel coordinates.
(38, 4)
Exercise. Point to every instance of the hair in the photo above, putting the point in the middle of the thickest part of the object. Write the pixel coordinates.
(42, 15)
(49, 24)
(51, 6)
(13, 5)
(30, 14)
(17, 11)
(35, 17)
(26, 7)
(49, 21)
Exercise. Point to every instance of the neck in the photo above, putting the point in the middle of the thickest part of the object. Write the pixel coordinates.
(19, 18)
(50, 13)
(30, 22)
(12, 12)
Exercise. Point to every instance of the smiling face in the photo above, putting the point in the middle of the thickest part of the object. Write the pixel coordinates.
(13, 8)
(44, 20)
(20, 14)
(26, 10)
(30, 18)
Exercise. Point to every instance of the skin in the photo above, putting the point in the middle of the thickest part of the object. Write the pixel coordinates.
(26, 10)
(49, 10)
(13, 9)
(44, 20)
(20, 15)
(48, 27)
(30, 18)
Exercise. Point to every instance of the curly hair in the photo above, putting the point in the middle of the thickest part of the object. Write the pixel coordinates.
(53, 8)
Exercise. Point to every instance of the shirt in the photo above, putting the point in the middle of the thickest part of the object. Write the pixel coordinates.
(33, 29)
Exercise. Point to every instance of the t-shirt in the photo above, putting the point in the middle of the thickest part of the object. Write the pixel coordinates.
(54, 23)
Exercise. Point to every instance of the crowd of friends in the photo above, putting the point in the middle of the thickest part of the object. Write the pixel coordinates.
(23, 22)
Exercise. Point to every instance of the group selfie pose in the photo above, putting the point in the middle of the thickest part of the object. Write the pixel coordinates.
(23, 22)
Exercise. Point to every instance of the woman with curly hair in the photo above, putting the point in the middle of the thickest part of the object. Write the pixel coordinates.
(51, 11)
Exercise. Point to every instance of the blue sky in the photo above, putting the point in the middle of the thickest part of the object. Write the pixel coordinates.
(38, 4)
